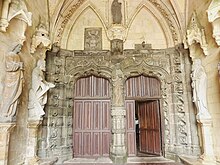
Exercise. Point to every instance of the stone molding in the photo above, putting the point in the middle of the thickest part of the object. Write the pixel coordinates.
(196, 34)
(214, 18)
(14, 9)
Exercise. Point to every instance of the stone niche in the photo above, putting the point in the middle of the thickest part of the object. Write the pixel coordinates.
(170, 66)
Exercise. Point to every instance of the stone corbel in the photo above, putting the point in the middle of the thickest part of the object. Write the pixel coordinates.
(41, 36)
(117, 31)
(214, 18)
(14, 9)
(196, 34)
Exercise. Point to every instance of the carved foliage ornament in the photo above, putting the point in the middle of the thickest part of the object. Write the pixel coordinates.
(41, 36)
(14, 9)
(196, 34)
(214, 18)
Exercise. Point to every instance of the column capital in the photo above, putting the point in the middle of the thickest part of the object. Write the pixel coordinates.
(34, 123)
(7, 127)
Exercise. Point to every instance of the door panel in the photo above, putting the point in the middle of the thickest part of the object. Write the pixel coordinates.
(149, 119)
(91, 118)
(131, 135)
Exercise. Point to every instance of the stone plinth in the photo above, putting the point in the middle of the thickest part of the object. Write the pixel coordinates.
(31, 151)
(5, 130)
(207, 142)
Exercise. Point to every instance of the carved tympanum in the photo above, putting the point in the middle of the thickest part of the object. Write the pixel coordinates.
(93, 39)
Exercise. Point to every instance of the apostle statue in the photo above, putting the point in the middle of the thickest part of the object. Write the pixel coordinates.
(12, 83)
(118, 89)
(38, 92)
(116, 12)
(199, 86)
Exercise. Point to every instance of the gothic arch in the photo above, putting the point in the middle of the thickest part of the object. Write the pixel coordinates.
(158, 17)
(73, 19)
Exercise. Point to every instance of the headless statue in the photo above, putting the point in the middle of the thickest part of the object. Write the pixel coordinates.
(116, 12)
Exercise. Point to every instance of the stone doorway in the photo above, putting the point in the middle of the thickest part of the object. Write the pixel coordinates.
(165, 69)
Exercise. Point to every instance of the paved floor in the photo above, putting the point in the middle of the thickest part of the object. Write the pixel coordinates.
(130, 161)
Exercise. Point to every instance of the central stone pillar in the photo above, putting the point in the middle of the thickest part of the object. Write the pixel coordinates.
(5, 131)
(118, 152)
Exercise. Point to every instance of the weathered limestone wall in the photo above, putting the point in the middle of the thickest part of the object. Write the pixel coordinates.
(210, 63)
(16, 29)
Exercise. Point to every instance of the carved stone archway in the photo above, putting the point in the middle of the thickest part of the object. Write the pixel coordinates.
(169, 66)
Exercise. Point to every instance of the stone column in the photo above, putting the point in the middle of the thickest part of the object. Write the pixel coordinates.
(4, 14)
(118, 151)
(207, 142)
(5, 130)
(31, 151)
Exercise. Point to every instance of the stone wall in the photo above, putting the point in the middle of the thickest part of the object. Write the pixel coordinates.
(210, 63)
(15, 31)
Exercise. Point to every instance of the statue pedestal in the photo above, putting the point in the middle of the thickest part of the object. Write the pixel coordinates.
(5, 130)
(31, 151)
(207, 142)
(118, 152)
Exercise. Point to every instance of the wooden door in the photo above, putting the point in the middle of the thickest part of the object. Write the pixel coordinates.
(91, 120)
(149, 125)
(130, 127)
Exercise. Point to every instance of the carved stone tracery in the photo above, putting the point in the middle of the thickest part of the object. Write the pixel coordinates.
(196, 34)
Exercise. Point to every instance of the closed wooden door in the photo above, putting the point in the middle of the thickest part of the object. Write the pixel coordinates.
(149, 125)
(91, 120)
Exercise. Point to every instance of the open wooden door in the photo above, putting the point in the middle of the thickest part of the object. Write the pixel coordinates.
(149, 127)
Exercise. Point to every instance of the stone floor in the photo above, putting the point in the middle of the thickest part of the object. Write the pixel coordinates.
(130, 161)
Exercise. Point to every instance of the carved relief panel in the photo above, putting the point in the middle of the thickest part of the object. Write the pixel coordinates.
(93, 39)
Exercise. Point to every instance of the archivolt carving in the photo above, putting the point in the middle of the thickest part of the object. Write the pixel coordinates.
(66, 19)
(169, 20)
